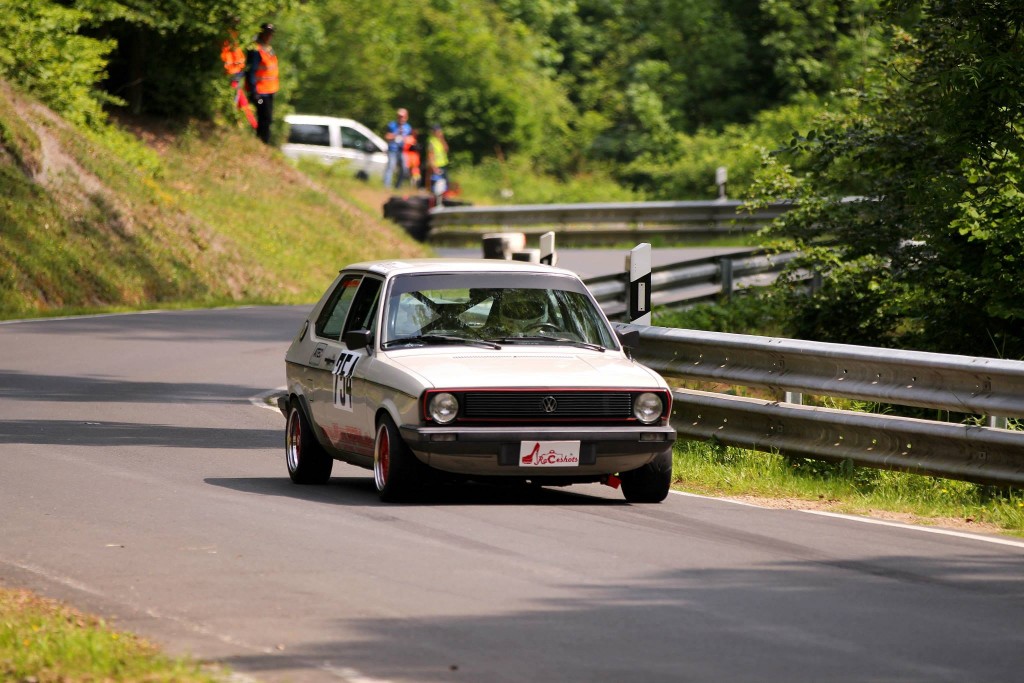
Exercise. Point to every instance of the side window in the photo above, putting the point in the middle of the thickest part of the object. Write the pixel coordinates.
(307, 134)
(364, 308)
(353, 139)
(332, 318)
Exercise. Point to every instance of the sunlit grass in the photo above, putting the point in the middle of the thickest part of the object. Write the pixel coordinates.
(45, 641)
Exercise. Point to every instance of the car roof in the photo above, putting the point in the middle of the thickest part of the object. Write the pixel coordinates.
(388, 268)
(321, 120)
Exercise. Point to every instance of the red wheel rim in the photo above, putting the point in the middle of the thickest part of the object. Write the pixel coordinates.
(385, 456)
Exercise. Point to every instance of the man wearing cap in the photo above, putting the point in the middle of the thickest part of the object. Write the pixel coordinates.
(395, 135)
(261, 80)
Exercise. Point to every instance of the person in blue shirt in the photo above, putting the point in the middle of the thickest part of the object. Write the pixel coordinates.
(397, 131)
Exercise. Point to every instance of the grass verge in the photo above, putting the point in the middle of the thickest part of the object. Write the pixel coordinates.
(803, 483)
(44, 641)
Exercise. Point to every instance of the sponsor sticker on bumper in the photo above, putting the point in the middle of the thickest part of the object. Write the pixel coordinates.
(549, 454)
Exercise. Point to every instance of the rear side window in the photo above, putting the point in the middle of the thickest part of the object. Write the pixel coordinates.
(308, 134)
(332, 318)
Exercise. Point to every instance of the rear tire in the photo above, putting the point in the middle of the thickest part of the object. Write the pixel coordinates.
(307, 461)
(650, 483)
(396, 471)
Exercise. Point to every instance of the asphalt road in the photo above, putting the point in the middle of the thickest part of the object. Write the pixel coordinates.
(141, 479)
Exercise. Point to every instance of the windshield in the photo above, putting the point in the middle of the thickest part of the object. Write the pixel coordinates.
(499, 308)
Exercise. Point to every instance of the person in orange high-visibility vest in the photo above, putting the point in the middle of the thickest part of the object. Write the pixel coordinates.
(261, 80)
(411, 157)
(233, 57)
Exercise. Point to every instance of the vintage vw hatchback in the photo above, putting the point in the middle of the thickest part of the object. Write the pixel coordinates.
(475, 369)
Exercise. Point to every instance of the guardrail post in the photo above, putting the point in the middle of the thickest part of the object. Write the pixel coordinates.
(500, 245)
(638, 266)
(816, 282)
(996, 422)
(528, 255)
(547, 249)
(721, 178)
(725, 274)
(792, 397)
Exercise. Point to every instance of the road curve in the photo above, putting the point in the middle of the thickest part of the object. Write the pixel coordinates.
(140, 480)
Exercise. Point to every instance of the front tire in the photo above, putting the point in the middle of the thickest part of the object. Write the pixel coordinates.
(396, 471)
(650, 483)
(308, 462)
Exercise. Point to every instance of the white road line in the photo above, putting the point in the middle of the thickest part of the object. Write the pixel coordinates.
(78, 317)
(868, 520)
(722, 500)
(925, 529)
(86, 316)
(260, 399)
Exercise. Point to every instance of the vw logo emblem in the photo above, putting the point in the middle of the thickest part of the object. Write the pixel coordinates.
(549, 404)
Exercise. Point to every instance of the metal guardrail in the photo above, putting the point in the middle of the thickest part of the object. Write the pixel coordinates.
(693, 281)
(618, 221)
(944, 382)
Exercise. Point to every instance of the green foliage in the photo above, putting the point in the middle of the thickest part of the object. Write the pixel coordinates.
(822, 45)
(689, 170)
(663, 88)
(753, 312)
(516, 181)
(933, 144)
(467, 68)
(37, 41)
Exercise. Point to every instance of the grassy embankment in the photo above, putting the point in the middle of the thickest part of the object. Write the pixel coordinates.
(44, 641)
(196, 217)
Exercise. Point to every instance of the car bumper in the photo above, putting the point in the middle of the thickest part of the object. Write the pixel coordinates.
(494, 451)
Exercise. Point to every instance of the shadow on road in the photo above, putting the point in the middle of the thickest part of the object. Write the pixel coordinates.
(22, 386)
(360, 491)
(81, 433)
(789, 620)
(244, 324)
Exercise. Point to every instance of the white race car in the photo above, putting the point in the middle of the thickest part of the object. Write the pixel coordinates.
(473, 369)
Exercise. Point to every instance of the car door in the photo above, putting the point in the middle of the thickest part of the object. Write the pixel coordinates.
(355, 371)
(339, 404)
(324, 363)
(361, 152)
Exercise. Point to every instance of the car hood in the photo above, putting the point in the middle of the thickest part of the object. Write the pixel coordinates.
(525, 367)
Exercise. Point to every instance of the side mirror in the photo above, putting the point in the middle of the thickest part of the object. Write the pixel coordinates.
(357, 339)
(630, 339)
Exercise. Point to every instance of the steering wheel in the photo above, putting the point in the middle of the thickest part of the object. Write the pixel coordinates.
(549, 328)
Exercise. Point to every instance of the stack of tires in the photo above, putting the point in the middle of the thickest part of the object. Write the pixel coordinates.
(411, 213)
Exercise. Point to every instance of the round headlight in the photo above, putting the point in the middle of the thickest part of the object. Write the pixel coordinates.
(444, 407)
(647, 407)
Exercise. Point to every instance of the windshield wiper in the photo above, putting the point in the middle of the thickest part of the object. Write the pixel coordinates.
(425, 339)
(551, 340)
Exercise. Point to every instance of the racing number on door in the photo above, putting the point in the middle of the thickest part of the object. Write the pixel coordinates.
(342, 372)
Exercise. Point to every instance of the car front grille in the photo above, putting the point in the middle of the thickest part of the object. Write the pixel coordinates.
(539, 405)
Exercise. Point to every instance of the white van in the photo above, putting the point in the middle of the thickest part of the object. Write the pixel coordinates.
(331, 139)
